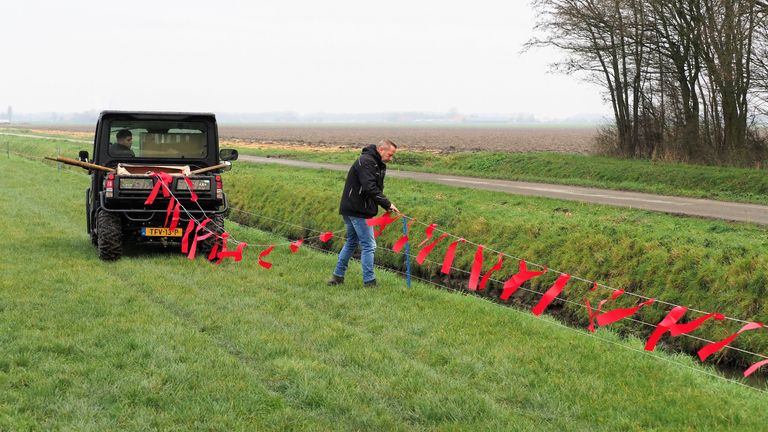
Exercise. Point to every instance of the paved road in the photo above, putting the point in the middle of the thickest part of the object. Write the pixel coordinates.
(675, 205)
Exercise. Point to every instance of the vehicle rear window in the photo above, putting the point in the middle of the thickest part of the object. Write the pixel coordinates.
(158, 139)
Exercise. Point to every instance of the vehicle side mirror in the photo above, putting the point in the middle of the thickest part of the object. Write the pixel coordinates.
(83, 156)
(228, 154)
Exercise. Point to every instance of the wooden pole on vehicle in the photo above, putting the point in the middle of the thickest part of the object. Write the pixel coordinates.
(210, 168)
(81, 164)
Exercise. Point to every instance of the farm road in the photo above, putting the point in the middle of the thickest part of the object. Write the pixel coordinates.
(752, 213)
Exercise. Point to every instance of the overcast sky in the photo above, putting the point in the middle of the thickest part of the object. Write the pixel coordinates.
(289, 55)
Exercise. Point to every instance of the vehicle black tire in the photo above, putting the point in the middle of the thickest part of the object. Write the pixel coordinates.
(110, 236)
(217, 226)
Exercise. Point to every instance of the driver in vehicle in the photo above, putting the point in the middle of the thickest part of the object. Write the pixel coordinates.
(123, 146)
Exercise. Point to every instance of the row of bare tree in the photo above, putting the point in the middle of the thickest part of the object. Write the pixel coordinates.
(685, 78)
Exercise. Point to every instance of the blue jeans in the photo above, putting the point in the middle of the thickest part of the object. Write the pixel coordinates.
(357, 232)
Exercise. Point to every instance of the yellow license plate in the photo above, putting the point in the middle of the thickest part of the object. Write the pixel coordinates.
(161, 232)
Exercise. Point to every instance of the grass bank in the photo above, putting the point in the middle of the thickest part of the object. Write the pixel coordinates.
(704, 264)
(155, 341)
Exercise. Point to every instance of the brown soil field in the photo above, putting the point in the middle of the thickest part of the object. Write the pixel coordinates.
(432, 138)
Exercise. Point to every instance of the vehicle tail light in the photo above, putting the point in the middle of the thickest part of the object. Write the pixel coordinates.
(109, 185)
(219, 188)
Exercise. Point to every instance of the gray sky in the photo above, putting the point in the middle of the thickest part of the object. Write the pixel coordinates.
(304, 56)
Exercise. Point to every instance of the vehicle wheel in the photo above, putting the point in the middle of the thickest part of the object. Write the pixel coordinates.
(216, 225)
(109, 240)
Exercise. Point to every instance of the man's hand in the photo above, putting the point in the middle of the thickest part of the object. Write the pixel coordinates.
(393, 208)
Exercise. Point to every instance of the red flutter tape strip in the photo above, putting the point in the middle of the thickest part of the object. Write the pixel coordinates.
(551, 294)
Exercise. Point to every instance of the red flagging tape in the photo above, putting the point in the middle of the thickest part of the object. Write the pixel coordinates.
(191, 188)
(679, 329)
(428, 248)
(551, 294)
(185, 239)
(717, 346)
(755, 367)
(477, 266)
(324, 237)
(619, 314)
(381, 222)
(496, 267)
(168, 211)
(267, 251)
(518, 279)
(449, 255)
(429, 231)
(672, 317)
(198, 237)
(400, 244)
(295, 245)
(176, 214)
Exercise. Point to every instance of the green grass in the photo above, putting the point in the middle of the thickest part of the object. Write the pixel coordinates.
(704, 264)
(155, 341)
(720, 183)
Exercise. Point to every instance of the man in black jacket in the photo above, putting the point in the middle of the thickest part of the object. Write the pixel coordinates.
(363, 194)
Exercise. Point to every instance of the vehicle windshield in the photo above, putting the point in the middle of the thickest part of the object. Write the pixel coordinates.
(158, 139)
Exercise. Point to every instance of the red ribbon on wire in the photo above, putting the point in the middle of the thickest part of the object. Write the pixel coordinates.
(429, 231)
(717, 346)
(477, 266)
(168, 211)
(162, 183)
(191, 188)
(679, 329)
(295, 245)
(518, 279)
(214, 252)
(619, 314)
(449, 255)
(185, 239)
(381, 222)
(428, 248)
(400, 243)
(176, 214)
(672, 317)
(398, 246)
(551, 294)
(198, 237)
(267, 251)
(614, 296)
(755, 367)
(496, 267)
(237, 254)
(324, 237)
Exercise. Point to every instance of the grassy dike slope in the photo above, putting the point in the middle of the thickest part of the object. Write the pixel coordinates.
(157, 341)
(703, 264)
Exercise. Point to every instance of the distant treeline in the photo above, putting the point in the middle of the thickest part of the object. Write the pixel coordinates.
(686, 79)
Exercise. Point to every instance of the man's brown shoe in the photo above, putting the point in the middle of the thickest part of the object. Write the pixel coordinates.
(335, 280)
(370, 284)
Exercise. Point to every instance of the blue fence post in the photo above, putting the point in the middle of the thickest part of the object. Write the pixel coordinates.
(407, 253)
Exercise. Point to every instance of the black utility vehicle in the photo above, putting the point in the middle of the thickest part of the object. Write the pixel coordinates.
(136, 144)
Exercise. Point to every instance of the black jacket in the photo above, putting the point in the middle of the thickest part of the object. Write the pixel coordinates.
(364, 188)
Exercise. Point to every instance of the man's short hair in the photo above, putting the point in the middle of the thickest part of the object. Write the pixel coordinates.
(386, 143)
(123, 133)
